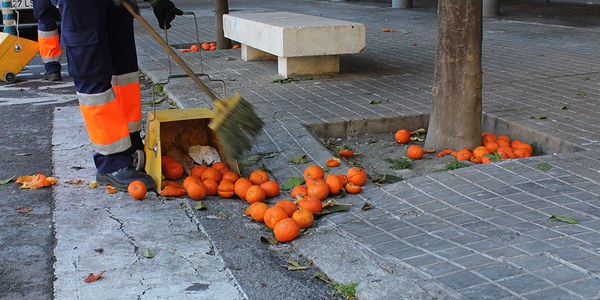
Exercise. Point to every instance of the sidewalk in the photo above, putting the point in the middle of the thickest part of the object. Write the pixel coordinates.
(480, 232)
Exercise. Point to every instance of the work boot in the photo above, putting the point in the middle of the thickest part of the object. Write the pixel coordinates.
(121, 178)
(54, 76)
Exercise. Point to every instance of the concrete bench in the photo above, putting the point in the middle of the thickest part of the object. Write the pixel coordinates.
(302, 44)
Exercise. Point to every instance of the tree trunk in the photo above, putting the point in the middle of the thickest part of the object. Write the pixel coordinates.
(221, 8)
(456, 111)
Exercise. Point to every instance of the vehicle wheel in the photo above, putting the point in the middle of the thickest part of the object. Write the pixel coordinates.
(139, 160)
(10, 77)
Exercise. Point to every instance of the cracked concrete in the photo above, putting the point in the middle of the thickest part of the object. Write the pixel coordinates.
(87, 220)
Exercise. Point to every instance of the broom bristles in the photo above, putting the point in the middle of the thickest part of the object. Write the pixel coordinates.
(236, 124)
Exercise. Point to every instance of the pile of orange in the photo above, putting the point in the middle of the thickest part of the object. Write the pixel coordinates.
(493, 148)
(286, 217)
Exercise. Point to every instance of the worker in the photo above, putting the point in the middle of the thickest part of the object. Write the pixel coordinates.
(101, 57)
(47, 16)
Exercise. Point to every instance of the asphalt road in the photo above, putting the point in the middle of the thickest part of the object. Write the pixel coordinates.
(26, 254)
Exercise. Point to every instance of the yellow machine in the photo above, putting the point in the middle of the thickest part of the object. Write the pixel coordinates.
(179, 128)
(15, 53)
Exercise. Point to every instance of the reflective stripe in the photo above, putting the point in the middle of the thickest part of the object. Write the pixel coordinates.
(96, 99)
(127, 91)
(125, 79)
(105, 123)
(116, 147)
(48, 34)
(49, 45)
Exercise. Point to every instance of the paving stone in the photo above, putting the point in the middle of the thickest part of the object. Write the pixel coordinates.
(534, 247)
(524, 284)
(587, 288)
(497, 271)
(554, 293)
(534, 263)
(572, 253)
(407, 253)
(472, 261)
(422, 260)
(561, 274)
(454, 252)
(487, 292)
(439, 269)
(462, 280)
(504, 252)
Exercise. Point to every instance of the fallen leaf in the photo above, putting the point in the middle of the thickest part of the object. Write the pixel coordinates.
(564, 107)
(93, 278)
(292, 182)
(22, 154)
(93, 184)
(408, 32)
(387, 30)
(581, 93)
(332, 209)
(7, 180)
(295, 266)
(366, 206)
(99, 250)
(386, 178)
(200, 206)
(322, 276)
(375, 101)
(24, 210)
(283, 80)
(75, 181)
(566, 219)
(147, 253)
(222, 215)
(544, 166)
(77, 168)
(298, 159)
(538, 117)
(268, 240)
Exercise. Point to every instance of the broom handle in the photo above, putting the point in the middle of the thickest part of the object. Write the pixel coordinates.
(170, 51)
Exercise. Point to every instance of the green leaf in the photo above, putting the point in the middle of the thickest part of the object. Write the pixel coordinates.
(399, 164)
(298, 159)
(386, 179)
(544, 166)
(538, 117)
(408, 31)
(343, 147)
(510, 168)
(325, 169)
(537, 150)
(375, 101)
(7, 180)
(158, 88)
(455, 164)
(147, 253)
(332, 209)
(565, 219)
(494, 156)
(292, 183)
(283, 80)
(346, 290)
(200, 206)
(268, 240)
(23, 154)
(581, 93)
(322, 276)
(293, 262)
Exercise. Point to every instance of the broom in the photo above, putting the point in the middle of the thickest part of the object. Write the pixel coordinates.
(235, 123)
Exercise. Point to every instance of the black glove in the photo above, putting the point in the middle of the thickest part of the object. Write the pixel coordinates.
(133, 4)
(165, 11)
